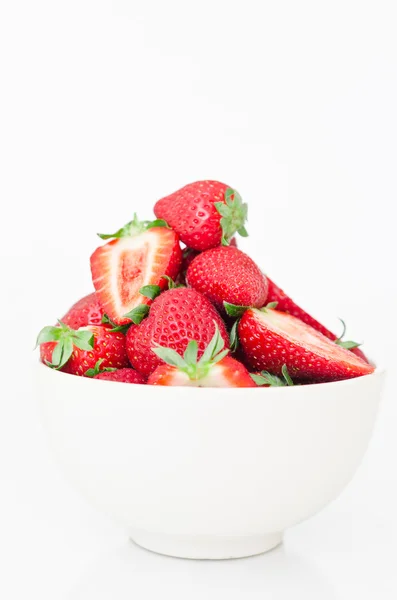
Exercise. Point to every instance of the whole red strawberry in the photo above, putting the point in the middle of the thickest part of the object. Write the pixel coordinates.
(286, 304)
(76, 351)
(204, 214)
(139, 256)
(122, 375)
(227, 274)
(271, 339)
(176, 317)
(213, 369)
(188, 255)
(86, 311)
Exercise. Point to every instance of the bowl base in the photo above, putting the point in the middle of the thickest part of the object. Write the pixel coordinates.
(206, 546)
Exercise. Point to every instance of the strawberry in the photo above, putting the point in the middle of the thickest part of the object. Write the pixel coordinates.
(270, 339)
(286, 304)
(187, 257)
(204, 214)
(176, 316)
(226, 274)
(140, 255)
(87, 311)
(122, 375)
(213, 369)
(76, 351)
(126, 375)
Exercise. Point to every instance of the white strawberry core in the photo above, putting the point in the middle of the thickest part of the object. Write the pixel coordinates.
(132, 266)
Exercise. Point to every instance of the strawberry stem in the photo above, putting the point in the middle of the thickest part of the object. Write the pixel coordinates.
(348, 344)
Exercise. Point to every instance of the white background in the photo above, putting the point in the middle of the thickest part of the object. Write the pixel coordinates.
(107, 106)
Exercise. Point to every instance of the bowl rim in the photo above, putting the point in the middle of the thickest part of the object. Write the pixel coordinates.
(380, 370)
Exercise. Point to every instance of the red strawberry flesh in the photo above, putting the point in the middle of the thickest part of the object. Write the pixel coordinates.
(125, 265)
(271, 339)
(286, 304)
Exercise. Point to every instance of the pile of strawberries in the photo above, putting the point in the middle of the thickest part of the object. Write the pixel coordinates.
(204, 315)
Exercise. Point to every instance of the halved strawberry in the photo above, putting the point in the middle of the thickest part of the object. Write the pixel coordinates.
(213, 369)
(286, 304)
(140, 255)
(271, 339)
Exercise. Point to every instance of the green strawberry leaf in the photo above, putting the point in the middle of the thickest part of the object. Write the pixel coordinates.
(83, 340)
(97, 369)
(218, 357)
(138, 313)
(234, 341)
(348, 344)
(122, 328)
(215, 345)
(48, 334)
(150, 291)
(170, 356)
(134, 227)
(286, 375)
(190, 355)
(234, 215)
(189, 364)
(65, 339)
(269, 305)
(233, 310)
(267, 379)
(242, 231)
(157, 223)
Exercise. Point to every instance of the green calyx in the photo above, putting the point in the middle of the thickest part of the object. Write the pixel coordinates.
(150, 291)
(138, 313)
(269, 305)
(189, 364)
(234, 215)
(97, 369)
(348, 344)
(65, 339)
(233, 336)
(270, 380)
(107, 321)
(233, 310)
(141, 311)
(134, 227)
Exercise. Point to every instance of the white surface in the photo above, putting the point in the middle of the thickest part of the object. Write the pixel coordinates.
(107, 106)
(206, 472)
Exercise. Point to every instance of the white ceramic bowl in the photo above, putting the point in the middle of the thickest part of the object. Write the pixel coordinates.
(208, 473)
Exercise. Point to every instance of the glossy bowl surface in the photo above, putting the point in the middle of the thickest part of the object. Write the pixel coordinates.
(208, 473)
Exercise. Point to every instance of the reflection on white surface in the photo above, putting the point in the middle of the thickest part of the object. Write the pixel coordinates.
(131, 572)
